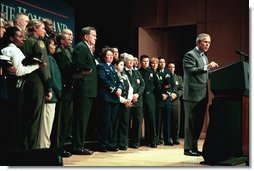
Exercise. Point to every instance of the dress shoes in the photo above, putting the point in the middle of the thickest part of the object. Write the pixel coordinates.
(113, 149)
(153, 145)
(124, 148)
(176, 142)
(66, 154)
(169, 143)
(134, 146)
(101, 148)
(160, 142)
(83, 152)
(192, 153)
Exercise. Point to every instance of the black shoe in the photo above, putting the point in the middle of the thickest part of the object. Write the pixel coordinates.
(160, 142)
(113, 149)
(123, 148)
(101, 149)
(66, 154)
(134, 146)
(176, 142)
(192, 153)
(82, 152)
(168, 143)
(153, 145)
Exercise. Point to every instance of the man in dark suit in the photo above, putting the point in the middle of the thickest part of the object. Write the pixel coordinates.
(195, 92)
(84, 89)
(176, 104)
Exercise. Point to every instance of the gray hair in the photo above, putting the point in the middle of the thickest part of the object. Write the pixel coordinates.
(127, 56)
(201, 37)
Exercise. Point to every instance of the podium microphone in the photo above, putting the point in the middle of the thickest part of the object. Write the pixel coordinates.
(241, 53)
(246, 57)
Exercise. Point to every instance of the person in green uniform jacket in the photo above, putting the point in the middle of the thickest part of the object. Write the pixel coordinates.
(37, 86)
(176, 104)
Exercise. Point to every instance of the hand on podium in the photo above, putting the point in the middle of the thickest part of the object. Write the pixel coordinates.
(212, 65)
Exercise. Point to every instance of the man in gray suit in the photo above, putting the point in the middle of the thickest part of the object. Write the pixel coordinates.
(195, 92)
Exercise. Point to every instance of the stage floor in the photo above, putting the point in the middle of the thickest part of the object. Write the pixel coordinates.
(144, 156)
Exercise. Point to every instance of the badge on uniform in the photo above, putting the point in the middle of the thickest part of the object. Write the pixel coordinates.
(138, 81)
(151, 74)
(124, 77)
(41, 44)
(160, 77)
(167, 76)
(177, 83)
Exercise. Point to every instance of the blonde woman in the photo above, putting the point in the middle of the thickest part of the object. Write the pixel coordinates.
(37, 87)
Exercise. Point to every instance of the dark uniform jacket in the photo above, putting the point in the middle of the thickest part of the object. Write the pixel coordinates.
(65, 65)
(35, 48)
(137, 83)
(125, 85)
(150, 79)
(178, 86)
(109, 82)
(166, 84)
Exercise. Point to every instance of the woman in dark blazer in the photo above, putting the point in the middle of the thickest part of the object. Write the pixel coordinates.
(110, 90)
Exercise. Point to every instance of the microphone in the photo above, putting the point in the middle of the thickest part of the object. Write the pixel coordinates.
(241, 53)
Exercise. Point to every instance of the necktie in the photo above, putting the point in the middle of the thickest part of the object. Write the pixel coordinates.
(130, 72)
(203, 58)
(110, 67)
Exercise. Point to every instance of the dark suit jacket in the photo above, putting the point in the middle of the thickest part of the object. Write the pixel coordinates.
(108, 83)
(137, 83)
(195, 77)
(86, 86)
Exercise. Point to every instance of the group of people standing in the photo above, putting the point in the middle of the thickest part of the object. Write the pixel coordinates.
(54, 89)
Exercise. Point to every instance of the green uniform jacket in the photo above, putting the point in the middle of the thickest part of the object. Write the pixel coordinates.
(34, 47)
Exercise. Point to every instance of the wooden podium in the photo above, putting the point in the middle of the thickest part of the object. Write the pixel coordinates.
(228, 130)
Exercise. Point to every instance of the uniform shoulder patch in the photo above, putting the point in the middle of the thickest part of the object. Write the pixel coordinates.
(41, 44)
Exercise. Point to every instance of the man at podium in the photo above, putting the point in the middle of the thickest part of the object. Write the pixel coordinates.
(195, 92)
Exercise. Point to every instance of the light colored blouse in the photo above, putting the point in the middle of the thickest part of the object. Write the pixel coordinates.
(17, 56)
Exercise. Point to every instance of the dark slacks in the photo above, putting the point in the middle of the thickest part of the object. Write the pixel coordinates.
(194, 119)
(81, 113)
